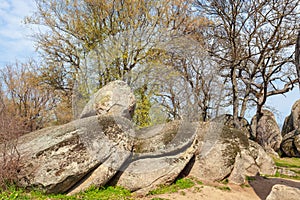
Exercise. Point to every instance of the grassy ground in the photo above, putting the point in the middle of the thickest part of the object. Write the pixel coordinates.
(91, 194)
(291, 164)
(110, 193)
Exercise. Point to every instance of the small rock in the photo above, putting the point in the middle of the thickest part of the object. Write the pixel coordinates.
(286, 172)
(116, 98)
(283, 192)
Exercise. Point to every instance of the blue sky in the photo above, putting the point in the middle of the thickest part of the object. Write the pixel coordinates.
(15, 44)
(14, 35)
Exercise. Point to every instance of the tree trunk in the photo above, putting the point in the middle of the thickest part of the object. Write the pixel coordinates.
(235, 99)
(297, 57)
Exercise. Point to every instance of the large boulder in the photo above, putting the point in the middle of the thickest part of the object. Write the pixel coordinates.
(266, 132)
(283, 192)
(55, 159)
(116, 98)
(290, 145)
(292, 122)
(215, 159)
(227, 152)
(165, 152)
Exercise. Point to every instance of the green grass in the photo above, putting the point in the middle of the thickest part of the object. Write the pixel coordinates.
(108, 193)
(292, 164)
(225, 181)
(277, 174)
(287, 162)
(105, 193)
(179, 185)
(224, 188)
(249, 178)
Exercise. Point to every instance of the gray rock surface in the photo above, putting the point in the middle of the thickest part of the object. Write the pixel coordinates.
(227, 119)
(116, 98)
(57, 158)
(250, 162)
(215, 160)
(103, 148)
(227, 152)
(292, 122)
(150, 169)
(290, 145)
(283, 192)
(266, 132)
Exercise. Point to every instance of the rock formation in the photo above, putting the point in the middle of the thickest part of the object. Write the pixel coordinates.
(290, 145)
(266, 132)
(104, 148)
(292, 121)
(57, 158)
(115, 98)
(227, 152)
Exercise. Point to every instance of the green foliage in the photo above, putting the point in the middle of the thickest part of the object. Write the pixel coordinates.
(143, 105)
(178, 185)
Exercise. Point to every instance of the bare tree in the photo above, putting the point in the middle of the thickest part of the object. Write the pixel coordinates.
(25, 97)
(254, 48)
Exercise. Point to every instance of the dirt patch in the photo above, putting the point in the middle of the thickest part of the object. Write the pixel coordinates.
(258, 188)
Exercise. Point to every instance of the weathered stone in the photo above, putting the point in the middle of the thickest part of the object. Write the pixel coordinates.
(159, 137)
(215, 160)
(290, 145)
(266, 132)
(227, 120)
(250, 162)
(116, 98)
(149, 170)
(57, 158)
(283, 192)
(262, 159)
(292, 122)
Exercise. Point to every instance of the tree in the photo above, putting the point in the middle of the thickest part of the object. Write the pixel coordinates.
(24, 98)
(87, 43)
(254, 48)
(198, 82)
